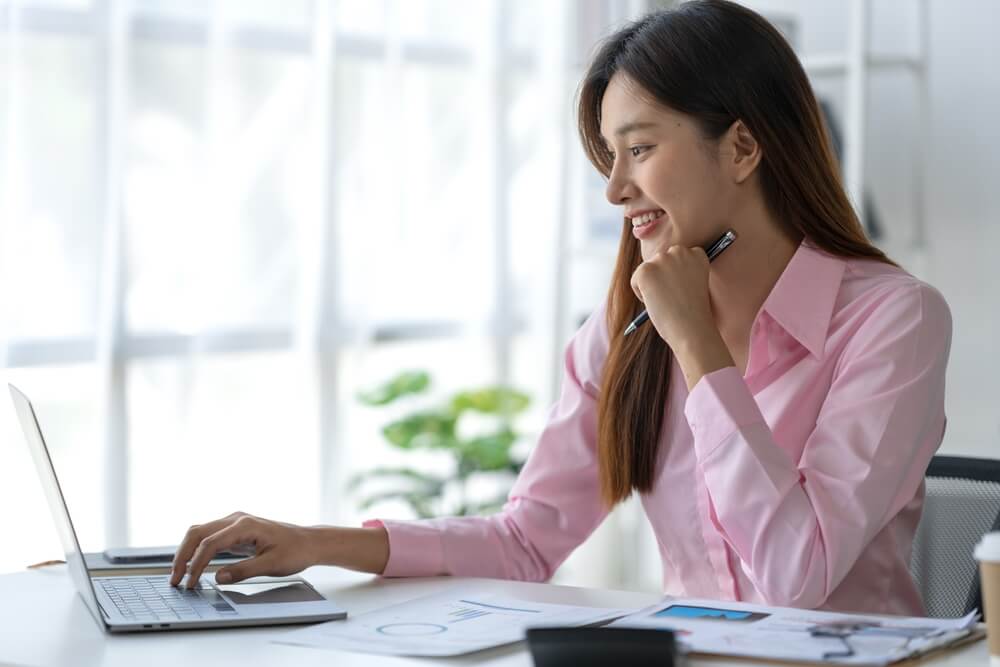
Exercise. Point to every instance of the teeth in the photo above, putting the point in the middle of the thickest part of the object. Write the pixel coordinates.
(646, 217)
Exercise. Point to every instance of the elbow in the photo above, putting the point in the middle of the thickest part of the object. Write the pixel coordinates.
(779, 589)
(522, 558)
(796, 580)
(810, 596)
(528, 565)
(527, 568)
(539, 573)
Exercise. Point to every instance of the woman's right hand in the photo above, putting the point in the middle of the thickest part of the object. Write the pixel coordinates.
(281, 549)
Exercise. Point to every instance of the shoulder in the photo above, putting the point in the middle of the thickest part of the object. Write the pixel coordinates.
(881, 300)
(871, 284)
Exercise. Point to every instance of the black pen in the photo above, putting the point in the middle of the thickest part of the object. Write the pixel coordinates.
(712, 251)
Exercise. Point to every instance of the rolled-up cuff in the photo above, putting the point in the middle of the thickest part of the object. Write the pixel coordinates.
(719, 405)
(415, 548)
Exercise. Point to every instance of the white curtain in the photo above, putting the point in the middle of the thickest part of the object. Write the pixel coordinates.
(220, 220)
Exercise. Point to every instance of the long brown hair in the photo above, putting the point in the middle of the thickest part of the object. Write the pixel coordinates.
(717, 62)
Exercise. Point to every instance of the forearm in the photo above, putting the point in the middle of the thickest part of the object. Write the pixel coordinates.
(361, 549)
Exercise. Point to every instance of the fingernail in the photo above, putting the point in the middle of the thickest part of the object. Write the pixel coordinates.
(223, 577)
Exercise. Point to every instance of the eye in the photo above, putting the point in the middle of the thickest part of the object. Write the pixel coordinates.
(636, 151)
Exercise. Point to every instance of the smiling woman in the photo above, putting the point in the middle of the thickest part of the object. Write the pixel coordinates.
(777, 418)
(700, 141)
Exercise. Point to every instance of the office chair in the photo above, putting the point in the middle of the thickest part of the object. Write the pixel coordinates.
(961, 504)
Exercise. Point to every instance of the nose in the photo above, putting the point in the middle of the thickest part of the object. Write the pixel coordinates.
(620, 188)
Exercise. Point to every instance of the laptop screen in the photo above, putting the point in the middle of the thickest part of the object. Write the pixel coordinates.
(57, 502)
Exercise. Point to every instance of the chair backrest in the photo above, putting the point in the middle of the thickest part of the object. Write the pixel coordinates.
(961, 504)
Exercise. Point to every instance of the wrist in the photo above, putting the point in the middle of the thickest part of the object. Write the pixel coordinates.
(698, 358)
(315, 544)
(363, 549)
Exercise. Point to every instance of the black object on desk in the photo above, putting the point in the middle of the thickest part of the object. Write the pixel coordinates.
(590, 647)
(125, 555)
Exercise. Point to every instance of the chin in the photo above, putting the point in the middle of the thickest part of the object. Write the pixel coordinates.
(648, 247)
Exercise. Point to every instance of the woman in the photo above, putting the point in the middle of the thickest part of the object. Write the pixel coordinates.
(779, 410)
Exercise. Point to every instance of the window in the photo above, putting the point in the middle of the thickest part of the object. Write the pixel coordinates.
(222, 219)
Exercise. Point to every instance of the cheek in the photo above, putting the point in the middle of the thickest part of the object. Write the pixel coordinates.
(702, 196)
(677, 189)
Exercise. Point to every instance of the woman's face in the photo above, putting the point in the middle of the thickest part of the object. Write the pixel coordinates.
(665, 175)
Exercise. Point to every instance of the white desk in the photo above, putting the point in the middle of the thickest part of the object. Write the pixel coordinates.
(44, 622)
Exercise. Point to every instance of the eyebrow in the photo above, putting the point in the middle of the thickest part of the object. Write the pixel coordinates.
(632, 127)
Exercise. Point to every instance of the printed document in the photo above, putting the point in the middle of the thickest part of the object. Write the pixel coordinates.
(444, 624)
(799, 635)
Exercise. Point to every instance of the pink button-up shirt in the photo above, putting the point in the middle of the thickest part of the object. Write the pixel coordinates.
(798, 484)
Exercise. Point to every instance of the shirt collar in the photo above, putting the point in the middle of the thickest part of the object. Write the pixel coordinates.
(802, 300)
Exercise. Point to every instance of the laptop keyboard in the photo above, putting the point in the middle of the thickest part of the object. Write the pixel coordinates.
(145, 599)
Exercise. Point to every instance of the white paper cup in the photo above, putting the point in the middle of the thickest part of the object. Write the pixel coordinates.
(988, 554)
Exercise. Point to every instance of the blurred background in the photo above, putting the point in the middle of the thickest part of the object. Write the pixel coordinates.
(223, 220)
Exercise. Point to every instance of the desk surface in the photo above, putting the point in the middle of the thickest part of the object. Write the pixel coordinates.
(44, 622)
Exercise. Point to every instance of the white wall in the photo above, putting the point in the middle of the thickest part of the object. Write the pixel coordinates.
(963, 203)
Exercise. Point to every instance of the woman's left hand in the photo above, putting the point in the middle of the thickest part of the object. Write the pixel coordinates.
(673, 285)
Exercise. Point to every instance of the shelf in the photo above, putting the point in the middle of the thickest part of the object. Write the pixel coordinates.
(836, 63)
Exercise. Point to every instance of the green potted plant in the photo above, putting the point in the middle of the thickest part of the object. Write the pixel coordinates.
(439, 428)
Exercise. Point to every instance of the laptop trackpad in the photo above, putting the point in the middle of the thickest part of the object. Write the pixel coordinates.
(269, 592)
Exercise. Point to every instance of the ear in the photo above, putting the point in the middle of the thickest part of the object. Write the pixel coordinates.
(741, 150)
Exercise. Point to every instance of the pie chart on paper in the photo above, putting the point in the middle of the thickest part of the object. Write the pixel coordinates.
(410, 629)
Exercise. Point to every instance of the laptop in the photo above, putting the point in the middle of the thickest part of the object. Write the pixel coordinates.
(149, 603)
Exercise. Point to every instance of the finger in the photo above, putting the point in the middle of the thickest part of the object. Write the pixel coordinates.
(192, 539)
(700, 256)
(232, 535)
(251, 567)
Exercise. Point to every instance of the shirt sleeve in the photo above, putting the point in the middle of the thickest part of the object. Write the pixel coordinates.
(799, 527)
(554, 505)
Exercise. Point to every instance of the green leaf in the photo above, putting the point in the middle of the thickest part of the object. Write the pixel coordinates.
(422, 430)
(428, 484)
(487, 452)
(406, 383)
(437, 428)
(491, 400)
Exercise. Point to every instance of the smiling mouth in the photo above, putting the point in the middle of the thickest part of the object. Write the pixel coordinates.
(646, 219)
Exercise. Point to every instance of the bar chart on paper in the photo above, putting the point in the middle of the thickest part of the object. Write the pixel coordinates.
(444, 624)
